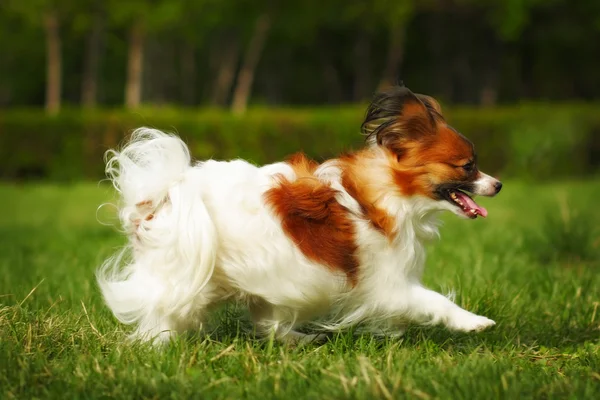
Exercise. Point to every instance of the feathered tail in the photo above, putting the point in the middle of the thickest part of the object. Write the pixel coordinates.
(172, 251)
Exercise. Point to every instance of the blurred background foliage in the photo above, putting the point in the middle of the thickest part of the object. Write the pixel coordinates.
(519, 77)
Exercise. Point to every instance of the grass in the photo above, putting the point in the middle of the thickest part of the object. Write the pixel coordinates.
(533, 266)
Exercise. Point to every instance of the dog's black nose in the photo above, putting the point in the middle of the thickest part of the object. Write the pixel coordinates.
(498, 186)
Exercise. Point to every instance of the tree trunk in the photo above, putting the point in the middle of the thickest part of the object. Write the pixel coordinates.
(89, 84)
(362, 71)
(395, 56)
(488, 96)
(133, 86)
(53, 63)
(241, 94)
(188, 74)
(226, 71)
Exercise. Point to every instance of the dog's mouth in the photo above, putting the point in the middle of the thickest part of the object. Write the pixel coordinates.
(467, 205)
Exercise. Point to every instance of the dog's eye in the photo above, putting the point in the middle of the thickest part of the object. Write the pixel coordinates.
(469, 166)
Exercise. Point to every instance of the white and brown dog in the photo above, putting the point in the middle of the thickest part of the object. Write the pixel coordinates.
(337, 244)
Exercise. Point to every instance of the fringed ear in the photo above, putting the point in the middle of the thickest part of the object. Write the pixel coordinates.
(397, 115)
(430, 103)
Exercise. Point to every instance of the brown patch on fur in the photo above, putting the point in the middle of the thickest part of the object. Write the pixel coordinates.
(314, 220)
(378, 218)
(409, 182)
(144, 207)
(303, 166)
(359, 180)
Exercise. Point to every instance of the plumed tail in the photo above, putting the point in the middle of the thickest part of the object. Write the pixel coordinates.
(144, 170)
(173, 244)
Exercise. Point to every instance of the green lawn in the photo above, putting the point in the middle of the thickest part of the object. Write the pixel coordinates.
(533, 266)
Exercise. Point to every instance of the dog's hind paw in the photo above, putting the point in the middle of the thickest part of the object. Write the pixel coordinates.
(301, 339)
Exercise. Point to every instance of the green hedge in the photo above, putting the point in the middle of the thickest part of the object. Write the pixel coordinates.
(534, 141)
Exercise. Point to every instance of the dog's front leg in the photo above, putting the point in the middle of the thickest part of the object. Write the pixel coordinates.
(431, 307)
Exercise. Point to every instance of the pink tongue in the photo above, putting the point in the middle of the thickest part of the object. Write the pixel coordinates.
(470, 203)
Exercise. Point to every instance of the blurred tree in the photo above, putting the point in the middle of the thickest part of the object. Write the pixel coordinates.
(396, 14)
(228, 44)
(47, 14)
(227, 22)
(200, 22)
(370, 16)
(140, 17)
(258, 37)
(54, 60)
(365, 18)
(507, 20)
(310, 26)
(93, 20)
(307, 52)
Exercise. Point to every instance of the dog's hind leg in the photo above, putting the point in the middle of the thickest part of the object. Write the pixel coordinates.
(155, 329)
(279, 322)
(392, 328)
(159, 328)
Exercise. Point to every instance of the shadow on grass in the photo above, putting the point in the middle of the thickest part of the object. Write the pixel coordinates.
(434, 339)
(231, 324)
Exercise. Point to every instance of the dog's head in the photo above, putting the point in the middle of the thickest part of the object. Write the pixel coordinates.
(427, 156)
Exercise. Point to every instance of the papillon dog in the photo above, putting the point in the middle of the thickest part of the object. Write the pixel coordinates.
(334, 244)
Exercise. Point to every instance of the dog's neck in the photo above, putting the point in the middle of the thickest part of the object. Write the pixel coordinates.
(366, 176)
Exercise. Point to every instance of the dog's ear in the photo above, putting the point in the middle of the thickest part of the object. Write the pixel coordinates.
(397, 115)
(430, 103)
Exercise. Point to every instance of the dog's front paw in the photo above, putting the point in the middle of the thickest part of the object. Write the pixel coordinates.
(471, 323)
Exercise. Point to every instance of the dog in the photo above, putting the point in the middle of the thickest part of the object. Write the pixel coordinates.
(334, 244)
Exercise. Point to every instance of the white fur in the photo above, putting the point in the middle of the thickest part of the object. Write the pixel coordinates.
(486, 185)
(201, 234)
